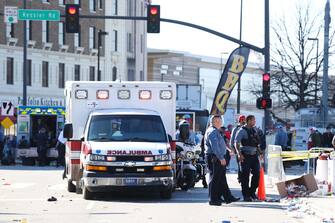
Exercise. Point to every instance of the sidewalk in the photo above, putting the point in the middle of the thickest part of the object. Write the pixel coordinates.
(314, 208)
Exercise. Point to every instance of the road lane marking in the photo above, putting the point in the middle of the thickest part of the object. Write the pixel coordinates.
(90, 205)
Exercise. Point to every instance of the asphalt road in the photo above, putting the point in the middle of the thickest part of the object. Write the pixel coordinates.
(24, 192)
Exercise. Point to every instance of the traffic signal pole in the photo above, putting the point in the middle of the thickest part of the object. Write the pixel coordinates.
(266, 125)
(24, 73)
(216, 33)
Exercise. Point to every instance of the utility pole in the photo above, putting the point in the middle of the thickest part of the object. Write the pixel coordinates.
(325, 65)
(267, 59)
(24, 72)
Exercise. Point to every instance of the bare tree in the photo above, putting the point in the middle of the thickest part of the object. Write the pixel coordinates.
(294, 59)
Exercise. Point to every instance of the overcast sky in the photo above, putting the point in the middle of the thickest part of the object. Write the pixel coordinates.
(222, 16)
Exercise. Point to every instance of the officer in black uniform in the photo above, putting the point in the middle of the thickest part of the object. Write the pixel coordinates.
(215, 156)
(247, 145)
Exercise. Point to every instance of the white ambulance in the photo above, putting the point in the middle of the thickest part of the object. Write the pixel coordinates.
(119, 136)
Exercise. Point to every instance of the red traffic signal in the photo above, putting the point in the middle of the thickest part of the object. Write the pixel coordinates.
(266, 85)
(263, 103)
(72, 18)
(153, 10)
(153, 19)
(72, 10)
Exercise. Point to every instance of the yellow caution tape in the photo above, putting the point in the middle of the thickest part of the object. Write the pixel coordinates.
(295, 155)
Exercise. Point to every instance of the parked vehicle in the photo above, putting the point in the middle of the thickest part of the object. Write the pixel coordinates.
(119, 136)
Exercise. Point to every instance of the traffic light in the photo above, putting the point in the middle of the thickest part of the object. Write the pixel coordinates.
(72, 18)
(266, 85)
(263, 103)
(153, 19)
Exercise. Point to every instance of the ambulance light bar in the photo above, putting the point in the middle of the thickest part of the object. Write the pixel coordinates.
(81, 94)
(145, 94)
(123, 94)
(166, 94)
(102, 94)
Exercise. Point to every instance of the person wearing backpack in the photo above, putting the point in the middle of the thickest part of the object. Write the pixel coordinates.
(247, 143)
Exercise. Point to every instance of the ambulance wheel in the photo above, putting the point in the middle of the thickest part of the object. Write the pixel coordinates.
(88, 195)
(166, 194)
(70, 186)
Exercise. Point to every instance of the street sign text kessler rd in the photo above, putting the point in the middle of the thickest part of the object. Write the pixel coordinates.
(32, 14)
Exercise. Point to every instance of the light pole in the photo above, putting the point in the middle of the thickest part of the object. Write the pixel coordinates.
(100, 33)
(316, 68)
(238, 108)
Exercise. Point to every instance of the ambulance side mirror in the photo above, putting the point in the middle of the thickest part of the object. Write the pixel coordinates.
(68, 131)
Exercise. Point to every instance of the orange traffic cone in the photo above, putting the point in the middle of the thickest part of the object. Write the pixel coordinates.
(261, 186)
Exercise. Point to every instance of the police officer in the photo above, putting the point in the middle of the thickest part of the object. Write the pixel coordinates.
(247, 145)
(241, 122)
(215, 155)
(185, 134)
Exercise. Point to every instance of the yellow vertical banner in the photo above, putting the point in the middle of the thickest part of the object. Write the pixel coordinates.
(233, 70)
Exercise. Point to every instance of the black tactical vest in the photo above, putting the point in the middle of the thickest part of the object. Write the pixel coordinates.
(253, 138)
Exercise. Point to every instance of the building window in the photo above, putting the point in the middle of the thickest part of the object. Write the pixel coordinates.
(129, 7)
(114, 74)
(92, 73)
(61, 33)
(100, 6)
(77, 72)
(142, 43)
(29, 70)
(10, 70)
(115, 7)
(45, 1)
(61, 75)
(92, 35)
(142, 9)
(64, 35)
(114, 39)
(129, 43)
(78, 2)
(45, 31)
(62, 2)
(93, 6)
(77, 39)
(29, 30)
(141, 75)
(131, 75)
(45, 74)
(10, 30)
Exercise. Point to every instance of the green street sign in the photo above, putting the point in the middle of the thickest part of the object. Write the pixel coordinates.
(32, 14)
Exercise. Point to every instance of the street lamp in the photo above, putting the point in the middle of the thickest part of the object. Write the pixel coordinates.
(100, 33)
(316, 67)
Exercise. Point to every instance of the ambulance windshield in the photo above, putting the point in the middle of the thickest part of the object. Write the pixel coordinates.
(133, 128)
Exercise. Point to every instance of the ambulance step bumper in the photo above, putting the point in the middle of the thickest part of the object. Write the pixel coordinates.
(96, 184)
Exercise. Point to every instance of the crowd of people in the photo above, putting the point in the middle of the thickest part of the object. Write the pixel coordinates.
(245, 142)
(9, 144)
(284, 138)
